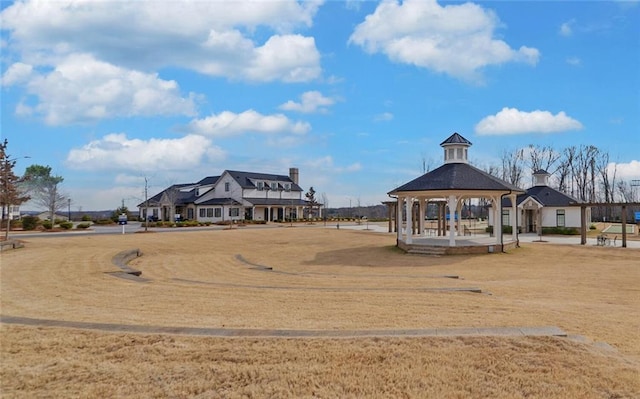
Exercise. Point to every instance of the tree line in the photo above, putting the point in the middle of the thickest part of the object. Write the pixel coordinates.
(584, 172)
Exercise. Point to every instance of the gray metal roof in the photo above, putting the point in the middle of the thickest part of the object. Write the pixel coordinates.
(546, 196)
(244, 179)
(456, 176)
(209, 180)
(455, 138)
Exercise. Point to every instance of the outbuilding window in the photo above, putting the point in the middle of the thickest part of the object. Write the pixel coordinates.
(560, 220)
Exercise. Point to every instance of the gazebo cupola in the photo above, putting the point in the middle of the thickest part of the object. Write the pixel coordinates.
(455, 149)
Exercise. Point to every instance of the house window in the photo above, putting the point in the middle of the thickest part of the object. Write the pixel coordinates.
(260, 186)
(227, 186)
(234, 212)
(274, 186)
(287, 186)
(218, 212)
(450, 153)
(445, 154)
(505, 218)
(560, 222)
(202, 212)
(209, 212)
(459, 153)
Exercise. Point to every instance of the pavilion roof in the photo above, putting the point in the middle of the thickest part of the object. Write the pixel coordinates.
(457, 177)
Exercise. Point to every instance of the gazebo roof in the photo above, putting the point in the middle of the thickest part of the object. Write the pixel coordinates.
(457, 177)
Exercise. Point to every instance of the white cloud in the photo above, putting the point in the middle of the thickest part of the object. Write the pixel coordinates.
(211, 37)
(82, 89)
(575, 61)
(383, 117)
(117, 152)
(625, 171)
(511, 121)
(326, 164)
(455, 39)
(310, 102)
(17, 73)
(566, 29)
(226, 124)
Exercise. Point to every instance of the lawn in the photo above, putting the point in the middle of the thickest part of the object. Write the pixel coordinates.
(310, 278)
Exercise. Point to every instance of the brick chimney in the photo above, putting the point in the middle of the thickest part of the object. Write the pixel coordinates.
(294, 174)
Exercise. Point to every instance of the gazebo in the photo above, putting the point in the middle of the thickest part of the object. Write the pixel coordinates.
(449, 186)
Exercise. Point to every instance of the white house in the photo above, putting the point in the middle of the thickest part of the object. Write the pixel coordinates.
(232, 196)
(542, 206)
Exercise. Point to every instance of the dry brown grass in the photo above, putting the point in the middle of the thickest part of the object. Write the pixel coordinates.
(322, 279)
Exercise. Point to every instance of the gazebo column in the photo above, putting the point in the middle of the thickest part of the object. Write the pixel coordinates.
(442, 226)
(452, 222)
(497, 219)
(514, 223)
(458, 216)
(409, 230)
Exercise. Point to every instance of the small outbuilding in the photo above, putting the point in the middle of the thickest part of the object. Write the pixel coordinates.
(542, 206)
(449, 186)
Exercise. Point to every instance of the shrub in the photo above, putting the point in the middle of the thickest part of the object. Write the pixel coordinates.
(83, 225)
(47, 225)
(592, 227)
(66, 225)
(29, 222)
(104, 221)
(86, 218)
(560, 230)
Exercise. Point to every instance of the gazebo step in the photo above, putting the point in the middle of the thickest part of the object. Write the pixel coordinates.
(422, 250)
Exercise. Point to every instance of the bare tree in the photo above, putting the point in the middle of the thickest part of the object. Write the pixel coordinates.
(607, 176)
(628, 192)
(564, 169)
(513, 166)
(583, 171)
(544, 157)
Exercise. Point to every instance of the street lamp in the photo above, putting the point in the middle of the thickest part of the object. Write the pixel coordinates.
(6, 188)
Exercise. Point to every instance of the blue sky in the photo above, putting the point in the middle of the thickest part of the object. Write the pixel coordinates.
(355, 94)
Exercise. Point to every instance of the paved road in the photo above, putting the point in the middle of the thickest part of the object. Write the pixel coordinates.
(134, 227)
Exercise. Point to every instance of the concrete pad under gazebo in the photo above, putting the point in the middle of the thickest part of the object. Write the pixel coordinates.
(449, 186)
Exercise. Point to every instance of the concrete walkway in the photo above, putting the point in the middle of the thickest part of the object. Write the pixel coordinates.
(277, 333)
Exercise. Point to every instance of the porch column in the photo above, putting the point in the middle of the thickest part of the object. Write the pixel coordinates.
(514, 223)
(390, 216)
(399, 218)
(409, 231)
(269, 215)
(452, 220)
